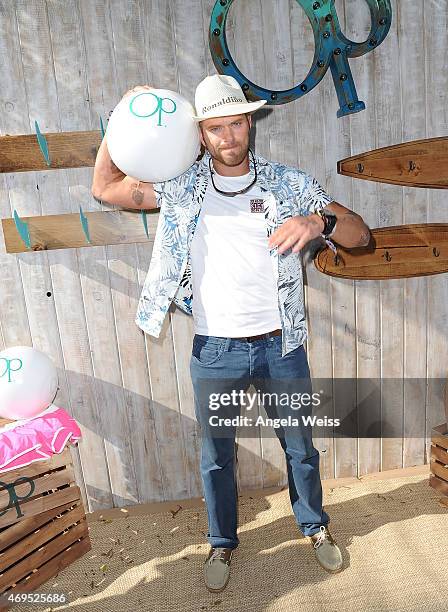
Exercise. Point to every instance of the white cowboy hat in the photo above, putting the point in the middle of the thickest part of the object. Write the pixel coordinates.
(221, 96)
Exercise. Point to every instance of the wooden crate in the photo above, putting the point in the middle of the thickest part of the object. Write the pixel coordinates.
(44, 528)
(439, 460)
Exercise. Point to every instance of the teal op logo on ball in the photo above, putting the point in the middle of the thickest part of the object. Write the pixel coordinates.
(8, 368)
(158, 107)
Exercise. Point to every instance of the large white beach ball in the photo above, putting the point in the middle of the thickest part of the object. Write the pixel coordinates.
(28, 382)
(152, 136)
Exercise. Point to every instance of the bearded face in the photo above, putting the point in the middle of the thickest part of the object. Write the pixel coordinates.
(227, 139)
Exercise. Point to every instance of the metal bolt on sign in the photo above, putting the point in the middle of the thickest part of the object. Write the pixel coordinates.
(332, 50)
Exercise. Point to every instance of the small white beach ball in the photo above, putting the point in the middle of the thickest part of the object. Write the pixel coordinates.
(28, 382)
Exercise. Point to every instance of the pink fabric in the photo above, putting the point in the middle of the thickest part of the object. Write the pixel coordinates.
(37, 438)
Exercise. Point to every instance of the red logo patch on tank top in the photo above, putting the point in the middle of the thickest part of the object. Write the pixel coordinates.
(257, 206)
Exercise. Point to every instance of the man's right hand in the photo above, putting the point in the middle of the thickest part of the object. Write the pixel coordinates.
(111, 186)
(137, 89)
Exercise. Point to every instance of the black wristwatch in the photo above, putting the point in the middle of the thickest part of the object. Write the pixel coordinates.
(329, 222)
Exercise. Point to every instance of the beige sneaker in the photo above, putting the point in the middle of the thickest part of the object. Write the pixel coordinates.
(217, 569)
(327, 551)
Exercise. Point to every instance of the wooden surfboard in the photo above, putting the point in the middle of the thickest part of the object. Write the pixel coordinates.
(419, 163)
(400, 251)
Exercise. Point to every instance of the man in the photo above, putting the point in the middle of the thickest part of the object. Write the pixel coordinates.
(230, 233)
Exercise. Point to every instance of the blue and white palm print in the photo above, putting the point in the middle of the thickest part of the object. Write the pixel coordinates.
(290, 192)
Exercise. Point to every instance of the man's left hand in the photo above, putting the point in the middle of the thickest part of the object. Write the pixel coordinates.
(296, 233)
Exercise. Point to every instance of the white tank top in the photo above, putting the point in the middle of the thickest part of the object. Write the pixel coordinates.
(234, 278)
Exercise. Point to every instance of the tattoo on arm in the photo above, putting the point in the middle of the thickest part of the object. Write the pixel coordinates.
(137, 194)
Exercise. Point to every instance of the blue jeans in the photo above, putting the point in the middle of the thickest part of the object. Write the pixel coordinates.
(222, 365)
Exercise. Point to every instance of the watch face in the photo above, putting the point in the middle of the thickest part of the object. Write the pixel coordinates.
(330, 222)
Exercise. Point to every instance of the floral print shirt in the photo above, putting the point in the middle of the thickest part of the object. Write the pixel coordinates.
(289, 192)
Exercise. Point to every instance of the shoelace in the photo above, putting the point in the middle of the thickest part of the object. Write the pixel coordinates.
(218, 553)
(321, 537)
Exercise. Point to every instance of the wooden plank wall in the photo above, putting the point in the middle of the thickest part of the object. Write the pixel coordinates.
(65, 63)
